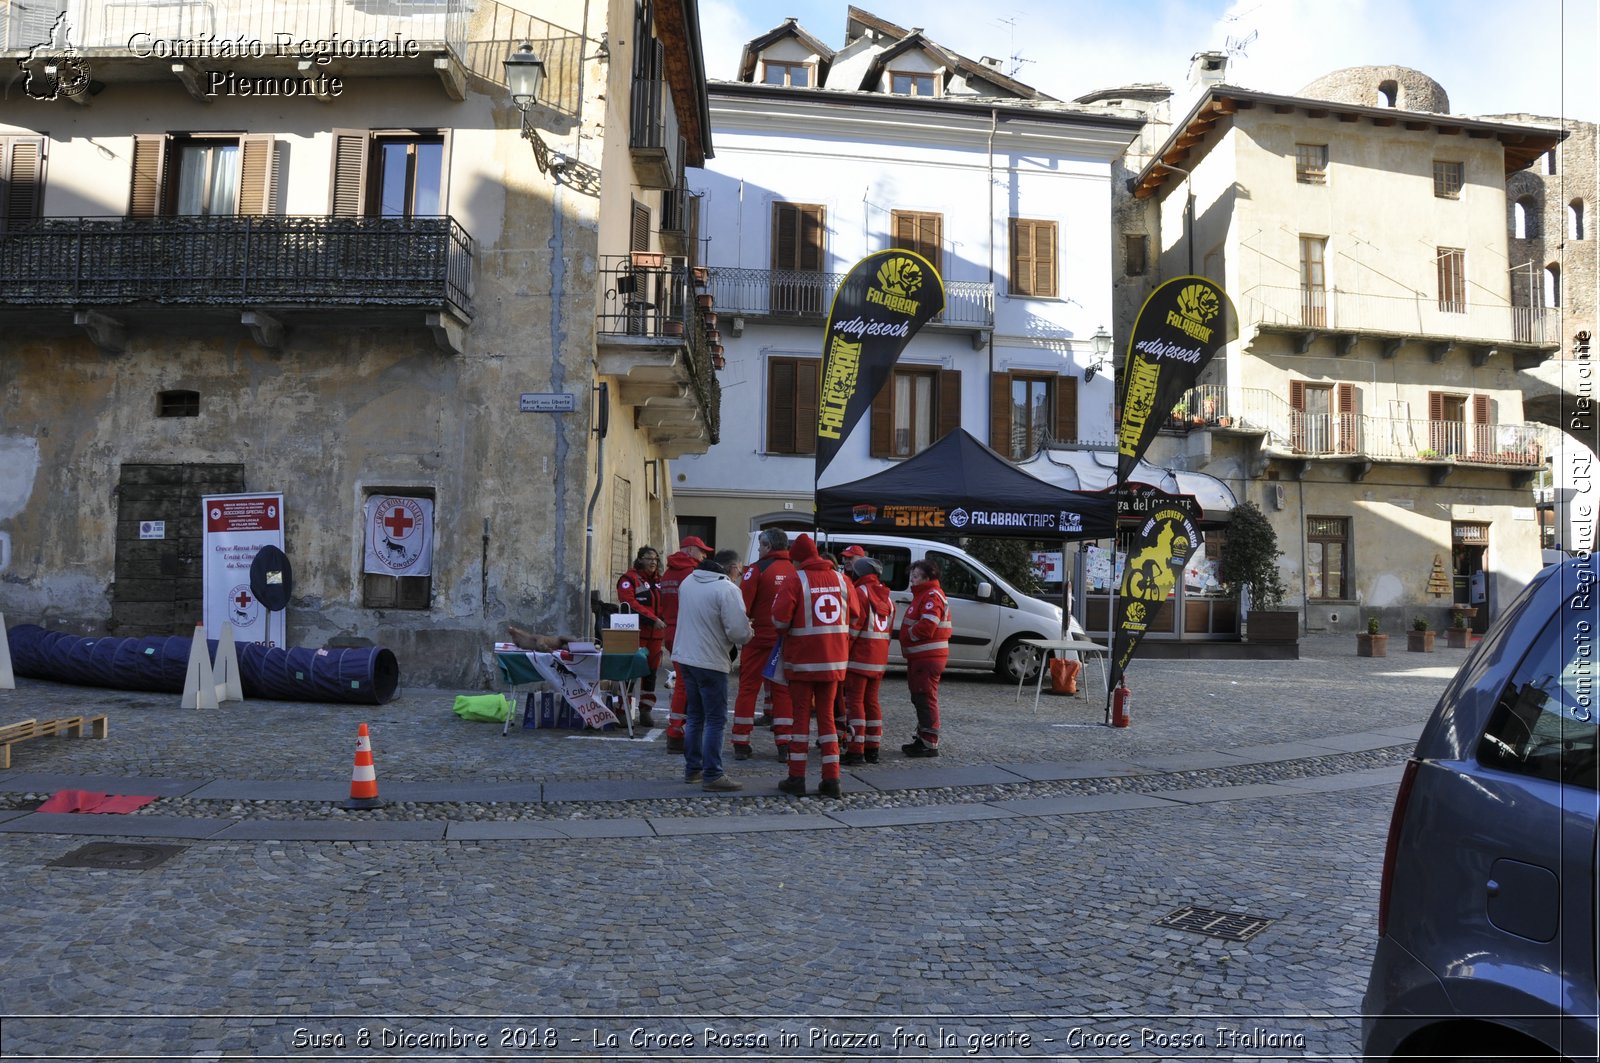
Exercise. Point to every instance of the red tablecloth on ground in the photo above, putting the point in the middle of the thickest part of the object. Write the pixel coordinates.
(90, 801)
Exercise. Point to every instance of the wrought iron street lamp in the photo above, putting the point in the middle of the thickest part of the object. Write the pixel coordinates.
(524, 75)
(1100, 346)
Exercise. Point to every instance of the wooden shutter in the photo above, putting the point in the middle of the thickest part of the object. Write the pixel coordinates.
(797, 231)
(639, 230)
(1435, 405)
(1482, 427)
(949, 400)
(349, 181)
(806, 392)
(919, 232)
(1033, 257)
(780, 406)
(22, 168)
(1297, 420)
(256, 173)
(1066, 429)
(1000, 413)
(881, 441)
(1297, 395)
(146, 197)
(1347, 435)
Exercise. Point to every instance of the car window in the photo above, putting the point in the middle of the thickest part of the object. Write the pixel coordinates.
(956, 577)
(896, 561)
(1544, 723)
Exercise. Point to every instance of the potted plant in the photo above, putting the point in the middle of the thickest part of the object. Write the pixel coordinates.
(1419, 639)
(1459, 636)
(1374, 643)
(1250, 565)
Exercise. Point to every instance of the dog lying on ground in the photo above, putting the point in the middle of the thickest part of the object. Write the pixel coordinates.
(527, 640)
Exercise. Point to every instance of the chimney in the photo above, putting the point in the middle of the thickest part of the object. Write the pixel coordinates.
(991, 62)
(1207, 69)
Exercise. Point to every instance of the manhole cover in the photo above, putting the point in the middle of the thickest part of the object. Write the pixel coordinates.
(1230, 926)
(118, 856)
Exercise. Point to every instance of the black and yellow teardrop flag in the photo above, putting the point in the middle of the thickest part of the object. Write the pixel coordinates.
(880, 305)
(1156, 559)
(1179, 328)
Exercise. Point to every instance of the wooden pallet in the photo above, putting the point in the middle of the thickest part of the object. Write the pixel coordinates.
(23, 730)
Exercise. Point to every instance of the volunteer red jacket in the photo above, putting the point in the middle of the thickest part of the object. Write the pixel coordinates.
(871, 621)
(812, 613)
(679, 565)
(760, 587)
(642, 595)
(925, 630)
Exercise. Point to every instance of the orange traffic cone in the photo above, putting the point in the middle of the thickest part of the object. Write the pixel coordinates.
(364, 776)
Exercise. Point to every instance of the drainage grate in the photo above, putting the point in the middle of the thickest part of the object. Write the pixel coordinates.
(119, 856)
(1230, 926)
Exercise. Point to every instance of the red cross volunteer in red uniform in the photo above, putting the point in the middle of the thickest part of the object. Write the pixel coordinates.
(639, 592)
(691, 551)
(925, 644)
(760, 587)
(871, 624)
(812, 613)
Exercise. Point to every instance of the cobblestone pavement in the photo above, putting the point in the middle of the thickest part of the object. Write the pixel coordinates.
(998, 919)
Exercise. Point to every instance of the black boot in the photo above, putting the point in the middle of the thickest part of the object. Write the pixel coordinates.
(829, 788)
(871, 755)
(851, 759)
(793, 787)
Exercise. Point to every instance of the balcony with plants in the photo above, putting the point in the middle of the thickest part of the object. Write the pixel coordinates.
(1361, 440)
(659, 336)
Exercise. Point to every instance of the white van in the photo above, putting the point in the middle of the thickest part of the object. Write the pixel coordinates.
(988, 617)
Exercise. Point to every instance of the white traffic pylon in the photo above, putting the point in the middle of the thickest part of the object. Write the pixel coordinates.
(8, 681)
(226, 667)
(199, 686)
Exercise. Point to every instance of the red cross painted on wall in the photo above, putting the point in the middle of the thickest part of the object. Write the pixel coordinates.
(243, 599)
(398, 522)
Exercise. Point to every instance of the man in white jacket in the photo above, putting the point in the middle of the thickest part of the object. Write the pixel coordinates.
(711, 624)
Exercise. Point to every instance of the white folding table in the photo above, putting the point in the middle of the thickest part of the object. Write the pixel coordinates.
(1086, 650)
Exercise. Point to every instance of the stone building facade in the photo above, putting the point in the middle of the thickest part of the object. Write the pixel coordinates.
(342, 265)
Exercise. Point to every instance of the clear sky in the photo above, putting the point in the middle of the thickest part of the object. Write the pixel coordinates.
(1505, 56)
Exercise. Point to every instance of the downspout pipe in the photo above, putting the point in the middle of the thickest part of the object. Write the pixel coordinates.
(602, 421)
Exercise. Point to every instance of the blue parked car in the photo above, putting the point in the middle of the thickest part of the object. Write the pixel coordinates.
(1487, 919)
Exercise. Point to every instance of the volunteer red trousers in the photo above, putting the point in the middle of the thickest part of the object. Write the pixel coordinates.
(677, 710)
(810, 699)
(923, 679)
(647, 685)
(752, 659)
(866, 715)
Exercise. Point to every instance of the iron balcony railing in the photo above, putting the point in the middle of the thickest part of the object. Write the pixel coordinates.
(1421, 315)
(239, 260)
(806, 294)
(1357, 435)
(650, 296)
(302, 30)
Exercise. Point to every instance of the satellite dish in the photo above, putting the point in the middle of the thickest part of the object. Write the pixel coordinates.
(271, 579)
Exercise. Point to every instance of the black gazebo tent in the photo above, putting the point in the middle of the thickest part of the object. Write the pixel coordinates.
(958, 486)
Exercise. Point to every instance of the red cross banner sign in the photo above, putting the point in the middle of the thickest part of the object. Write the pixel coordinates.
(399, 536)
(236, 528)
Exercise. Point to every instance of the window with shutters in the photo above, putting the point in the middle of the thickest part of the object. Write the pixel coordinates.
(792, 405)
(389, 173)
(1136, 254)
(383, 591)
(1324, 418)
(797, 258)
(920, 232)
(1327, 558)
(1031, 410)
(1311, 164)
(1033, 258)
(21, 179)
(1447, 423)
(1452, 264)
(201, 175)
(917, 407)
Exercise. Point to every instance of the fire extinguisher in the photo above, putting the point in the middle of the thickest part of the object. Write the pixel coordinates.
(1121, 704)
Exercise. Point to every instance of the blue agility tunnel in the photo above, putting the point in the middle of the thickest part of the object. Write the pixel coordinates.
(367, 675)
